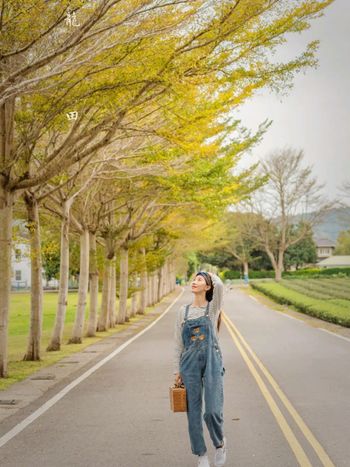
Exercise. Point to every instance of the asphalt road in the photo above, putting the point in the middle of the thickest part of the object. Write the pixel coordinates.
(287, 400)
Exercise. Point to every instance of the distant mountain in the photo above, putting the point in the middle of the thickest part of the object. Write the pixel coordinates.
(333, 222)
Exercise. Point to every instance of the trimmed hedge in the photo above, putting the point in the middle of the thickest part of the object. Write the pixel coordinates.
(314, 272)
(328, 310)
(252, 274)
(322, 288)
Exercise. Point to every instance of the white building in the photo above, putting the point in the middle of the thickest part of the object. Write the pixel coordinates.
(325, 248)
(20, 267)
(20, 260)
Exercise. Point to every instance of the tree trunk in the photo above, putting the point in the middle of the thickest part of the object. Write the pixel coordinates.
(166, 277)
(6, 210)
(278, 273)
(123, 292)
(170, 276)
(279, 268)
(78, 327)
(150, 289)
(36, 293)
(246, 271)
(102, 324)
(160, 284)
(91, 331)
(134, 297)
(112, 297)
(144, 283)
(57, 334)
(155, 287)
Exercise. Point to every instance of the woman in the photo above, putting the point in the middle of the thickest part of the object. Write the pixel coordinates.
(198, 363)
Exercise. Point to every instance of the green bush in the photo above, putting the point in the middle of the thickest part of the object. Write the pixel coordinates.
(252, 274)
(231, 275)
(300, 273)
(261, 274)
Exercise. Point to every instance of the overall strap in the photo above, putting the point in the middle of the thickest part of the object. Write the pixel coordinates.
(207, 310)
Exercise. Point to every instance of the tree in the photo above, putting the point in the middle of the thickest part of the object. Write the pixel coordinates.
(301, 253)
(291, 196)
(51, 259)
(343, 243)
(108, 70)
(241, 240)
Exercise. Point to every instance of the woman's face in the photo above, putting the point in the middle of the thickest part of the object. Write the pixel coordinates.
(199, 285)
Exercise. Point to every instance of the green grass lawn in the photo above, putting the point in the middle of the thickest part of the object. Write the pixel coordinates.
(19, 319)
(326, 298)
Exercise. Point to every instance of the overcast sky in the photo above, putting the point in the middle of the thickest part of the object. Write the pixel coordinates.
(315, 115)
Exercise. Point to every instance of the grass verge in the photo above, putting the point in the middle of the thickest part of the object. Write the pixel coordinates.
(19, 320)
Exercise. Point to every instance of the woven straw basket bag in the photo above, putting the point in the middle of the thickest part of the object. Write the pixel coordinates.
(178, 401)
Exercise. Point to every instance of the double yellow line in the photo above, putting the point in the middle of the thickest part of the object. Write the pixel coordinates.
(282, 422)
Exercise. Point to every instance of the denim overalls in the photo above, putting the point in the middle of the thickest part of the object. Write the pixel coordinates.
(202, 358)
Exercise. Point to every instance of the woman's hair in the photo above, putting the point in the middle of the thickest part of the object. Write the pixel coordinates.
(208, 281)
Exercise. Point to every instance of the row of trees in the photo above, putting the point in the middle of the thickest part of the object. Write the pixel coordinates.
(274, 226)
(116, 117)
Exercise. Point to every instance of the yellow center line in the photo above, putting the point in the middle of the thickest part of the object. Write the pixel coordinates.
(282, 422)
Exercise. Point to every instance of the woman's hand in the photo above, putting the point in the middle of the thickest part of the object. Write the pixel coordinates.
(178, 379)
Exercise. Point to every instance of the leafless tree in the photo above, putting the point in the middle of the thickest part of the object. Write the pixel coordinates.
(291, 196)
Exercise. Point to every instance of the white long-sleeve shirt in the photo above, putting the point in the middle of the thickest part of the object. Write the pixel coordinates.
(215, 306)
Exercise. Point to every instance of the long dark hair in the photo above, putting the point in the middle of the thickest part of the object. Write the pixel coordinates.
(208, 281)
(209, 293)
(219, 321)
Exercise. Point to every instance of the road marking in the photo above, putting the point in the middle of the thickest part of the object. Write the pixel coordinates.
(48, 404)
(253, 298)
(301, 319)
(282, 422)
(334, 334)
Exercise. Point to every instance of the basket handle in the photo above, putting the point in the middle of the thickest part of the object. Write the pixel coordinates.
(179, 385)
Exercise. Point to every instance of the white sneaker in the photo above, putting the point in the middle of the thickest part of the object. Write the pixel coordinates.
(203, 461)
(220, 455)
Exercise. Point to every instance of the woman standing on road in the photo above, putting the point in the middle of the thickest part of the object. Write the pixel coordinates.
(198, 363)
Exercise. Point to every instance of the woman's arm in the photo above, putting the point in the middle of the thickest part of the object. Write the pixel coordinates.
(216, 303)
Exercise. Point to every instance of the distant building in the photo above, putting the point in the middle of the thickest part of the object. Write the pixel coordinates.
(21, 263)
(337, 261)
(325, 248)
(20, 267)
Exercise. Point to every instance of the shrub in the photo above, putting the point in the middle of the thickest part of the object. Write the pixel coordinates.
(252, 274)
(300, 273)
(232, 275)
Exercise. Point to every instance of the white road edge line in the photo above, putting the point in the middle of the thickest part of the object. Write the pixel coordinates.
(334, 334)
(301, 321)
(48, 404)
(253, 298)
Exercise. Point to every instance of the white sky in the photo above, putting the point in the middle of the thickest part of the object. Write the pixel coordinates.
(315, 115)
